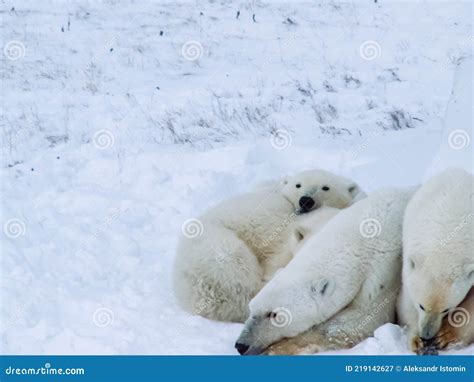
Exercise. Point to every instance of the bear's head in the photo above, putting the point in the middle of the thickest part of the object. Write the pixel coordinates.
(436, 288)
(288, 305)
(312, 189)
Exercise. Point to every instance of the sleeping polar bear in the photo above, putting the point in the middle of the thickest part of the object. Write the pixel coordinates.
(341, 286)
(246, 239)
(437, 297)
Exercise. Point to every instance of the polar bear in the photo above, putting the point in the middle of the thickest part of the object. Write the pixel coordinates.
(246, 239)
(339, 288)
(438, 262)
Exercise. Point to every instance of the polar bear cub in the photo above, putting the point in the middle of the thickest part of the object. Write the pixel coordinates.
(438, 264)
(246, 239)
(340, 287)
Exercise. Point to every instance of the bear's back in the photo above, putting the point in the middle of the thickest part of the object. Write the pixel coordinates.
(440, 216)
(259, 219)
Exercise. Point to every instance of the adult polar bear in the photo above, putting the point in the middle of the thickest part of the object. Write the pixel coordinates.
(438, 266)
(340, 287)
(246, 239)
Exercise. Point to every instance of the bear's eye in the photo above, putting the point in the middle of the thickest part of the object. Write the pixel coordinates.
(412, 264)
(422, 307)
(325, 188)
(298, 185)
(445, 311)
(271, 315)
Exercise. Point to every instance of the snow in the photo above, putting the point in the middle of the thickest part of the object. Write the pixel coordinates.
(113, 135)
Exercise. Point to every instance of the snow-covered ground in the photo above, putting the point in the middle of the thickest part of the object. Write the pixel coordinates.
(122, 119)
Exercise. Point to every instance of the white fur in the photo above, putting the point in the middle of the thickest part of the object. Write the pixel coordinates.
(246, 239)
(340, 277)
(438, 265)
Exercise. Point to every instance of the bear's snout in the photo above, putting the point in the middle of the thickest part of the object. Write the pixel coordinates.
(241, 348)
(306, 203)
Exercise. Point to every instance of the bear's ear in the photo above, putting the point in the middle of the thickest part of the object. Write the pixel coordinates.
(322, 287)
(470, 272)
(356, 192)
(300, 233)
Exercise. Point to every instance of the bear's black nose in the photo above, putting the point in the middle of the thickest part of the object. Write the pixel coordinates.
(241, 348)
(306, 203)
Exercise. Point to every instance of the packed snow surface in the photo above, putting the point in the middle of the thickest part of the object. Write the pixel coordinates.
(123, 119)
